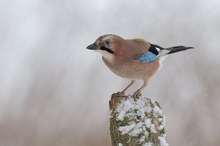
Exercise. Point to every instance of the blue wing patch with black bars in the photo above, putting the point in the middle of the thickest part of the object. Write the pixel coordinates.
(148, 57)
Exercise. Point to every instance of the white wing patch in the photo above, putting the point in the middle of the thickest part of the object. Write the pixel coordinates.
(157, 49)
(163, 52)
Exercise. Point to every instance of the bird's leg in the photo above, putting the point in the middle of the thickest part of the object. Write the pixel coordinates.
(138, 92)
(123, 91)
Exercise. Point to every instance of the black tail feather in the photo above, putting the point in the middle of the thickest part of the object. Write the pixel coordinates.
(178, 48)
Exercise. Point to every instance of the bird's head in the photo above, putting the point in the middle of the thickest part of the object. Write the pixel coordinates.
(107, 45)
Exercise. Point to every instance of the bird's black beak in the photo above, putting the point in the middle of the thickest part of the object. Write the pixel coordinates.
(92, 47)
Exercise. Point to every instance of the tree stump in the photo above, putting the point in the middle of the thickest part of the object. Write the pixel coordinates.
(136, 122)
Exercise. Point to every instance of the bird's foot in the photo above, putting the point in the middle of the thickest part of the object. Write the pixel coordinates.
(137, 94)
(119, 94)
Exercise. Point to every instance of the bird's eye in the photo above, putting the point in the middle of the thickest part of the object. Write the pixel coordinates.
(107, 42)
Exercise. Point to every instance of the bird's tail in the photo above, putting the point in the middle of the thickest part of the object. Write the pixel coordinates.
(160, 51)
(177, 49)
(171, 50)
(166, 51)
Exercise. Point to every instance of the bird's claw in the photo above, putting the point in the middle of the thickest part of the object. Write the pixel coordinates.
(136, 94)
(119, 94)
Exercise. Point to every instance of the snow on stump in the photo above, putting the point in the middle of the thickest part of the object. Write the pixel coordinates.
(136, 122)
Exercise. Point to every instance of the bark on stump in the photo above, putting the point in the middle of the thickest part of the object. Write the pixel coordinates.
(137, 122)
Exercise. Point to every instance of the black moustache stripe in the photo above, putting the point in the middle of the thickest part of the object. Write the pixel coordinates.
(107, 49)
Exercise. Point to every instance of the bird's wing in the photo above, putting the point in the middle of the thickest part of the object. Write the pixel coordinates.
(154, 52)
(147, 57)
(138, 47)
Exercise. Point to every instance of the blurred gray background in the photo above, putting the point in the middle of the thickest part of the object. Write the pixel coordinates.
(54, 92)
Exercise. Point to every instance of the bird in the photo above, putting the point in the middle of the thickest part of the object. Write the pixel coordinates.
(132, 59)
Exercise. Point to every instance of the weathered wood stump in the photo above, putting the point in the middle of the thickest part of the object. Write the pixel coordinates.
(136, 122)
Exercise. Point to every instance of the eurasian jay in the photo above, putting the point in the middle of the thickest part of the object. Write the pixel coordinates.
(133, 59)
